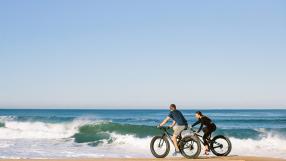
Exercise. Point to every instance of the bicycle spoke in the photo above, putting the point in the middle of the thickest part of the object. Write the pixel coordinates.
(161, 144)
(160, 147)
(220, 146)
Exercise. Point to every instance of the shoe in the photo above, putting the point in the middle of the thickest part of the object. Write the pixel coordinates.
(207, 152)
(176, 152)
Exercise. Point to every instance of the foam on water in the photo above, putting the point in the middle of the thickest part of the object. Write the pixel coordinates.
(271, 144)
(124, 146)
(36, 139)
(36, 130)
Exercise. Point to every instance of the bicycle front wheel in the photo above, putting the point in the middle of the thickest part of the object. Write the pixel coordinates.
(190, 147)
(160, 146)
(220, 145)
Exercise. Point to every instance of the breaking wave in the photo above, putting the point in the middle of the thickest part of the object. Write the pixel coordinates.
(132, 139)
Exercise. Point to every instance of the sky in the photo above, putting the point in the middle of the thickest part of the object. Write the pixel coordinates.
(67, 53)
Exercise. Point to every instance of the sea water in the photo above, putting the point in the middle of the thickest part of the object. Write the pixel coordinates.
(62, 133)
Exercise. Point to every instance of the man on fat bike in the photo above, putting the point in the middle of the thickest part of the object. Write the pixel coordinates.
(179, 124)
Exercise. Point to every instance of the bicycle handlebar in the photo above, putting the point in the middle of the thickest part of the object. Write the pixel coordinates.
(167, 127)
(193, 130)
(163, 127)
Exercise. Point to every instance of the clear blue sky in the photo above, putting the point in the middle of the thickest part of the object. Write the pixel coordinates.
(142, 53)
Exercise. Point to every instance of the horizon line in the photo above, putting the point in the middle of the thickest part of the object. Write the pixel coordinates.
(139, 108)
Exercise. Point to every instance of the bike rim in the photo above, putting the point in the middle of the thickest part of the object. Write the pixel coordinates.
(190, 148)
(220, 146)
(160, 146)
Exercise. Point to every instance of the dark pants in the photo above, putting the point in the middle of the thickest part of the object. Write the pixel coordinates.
(207, 132)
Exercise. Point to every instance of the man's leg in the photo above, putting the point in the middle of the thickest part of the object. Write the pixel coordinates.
(177, 132)
(174, 139)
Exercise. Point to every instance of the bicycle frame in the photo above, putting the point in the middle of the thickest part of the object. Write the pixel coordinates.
(165, 132)
(208, 140)
(200, 138)
(169, 135)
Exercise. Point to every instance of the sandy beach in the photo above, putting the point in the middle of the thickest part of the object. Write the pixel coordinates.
(229, 158)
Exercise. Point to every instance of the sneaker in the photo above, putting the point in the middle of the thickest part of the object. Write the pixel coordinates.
(175, 153)
(207, 152)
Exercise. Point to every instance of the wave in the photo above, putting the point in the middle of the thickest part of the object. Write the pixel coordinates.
(125, 139)
(128, 140)
(47, 119)
(271, 145)
(97, 132)
(10, 128)
(89, 129)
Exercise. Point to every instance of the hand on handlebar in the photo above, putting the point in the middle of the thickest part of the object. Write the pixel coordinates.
(193, 130)
(163, 127)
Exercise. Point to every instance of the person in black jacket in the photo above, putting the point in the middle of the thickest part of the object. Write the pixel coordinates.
(208, 129)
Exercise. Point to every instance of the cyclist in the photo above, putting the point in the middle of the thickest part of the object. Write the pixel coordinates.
(179, 124)
(208, 129)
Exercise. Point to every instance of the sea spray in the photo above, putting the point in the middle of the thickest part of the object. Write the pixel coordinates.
(13, 129)
(127, 133)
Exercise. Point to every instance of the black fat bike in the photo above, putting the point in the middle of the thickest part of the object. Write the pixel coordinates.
(189, 145)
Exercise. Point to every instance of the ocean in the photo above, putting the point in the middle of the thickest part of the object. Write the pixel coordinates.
(66, 133)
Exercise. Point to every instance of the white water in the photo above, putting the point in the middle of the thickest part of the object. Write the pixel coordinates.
(40, 130)
(270, 145)
(49, 140)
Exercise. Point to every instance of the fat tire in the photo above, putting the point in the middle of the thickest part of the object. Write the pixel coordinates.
(228, 142)
(184, 141)
(152, 146)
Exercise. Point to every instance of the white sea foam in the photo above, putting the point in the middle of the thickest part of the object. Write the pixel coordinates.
(124, 146)
(47, 140)
(271, 145)
(14, 129)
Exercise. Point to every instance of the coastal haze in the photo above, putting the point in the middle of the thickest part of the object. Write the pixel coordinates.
(132, 54)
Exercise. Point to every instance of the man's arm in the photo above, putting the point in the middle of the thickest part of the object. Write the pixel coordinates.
(165, 121)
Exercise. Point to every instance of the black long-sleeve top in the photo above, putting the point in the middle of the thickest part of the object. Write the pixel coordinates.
(204, 120)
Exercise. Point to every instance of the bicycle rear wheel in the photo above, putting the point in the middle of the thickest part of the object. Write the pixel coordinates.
(220, 145)
(190, 147)
(160, 146)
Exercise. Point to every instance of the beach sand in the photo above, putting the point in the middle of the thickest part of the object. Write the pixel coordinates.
(229, 158)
